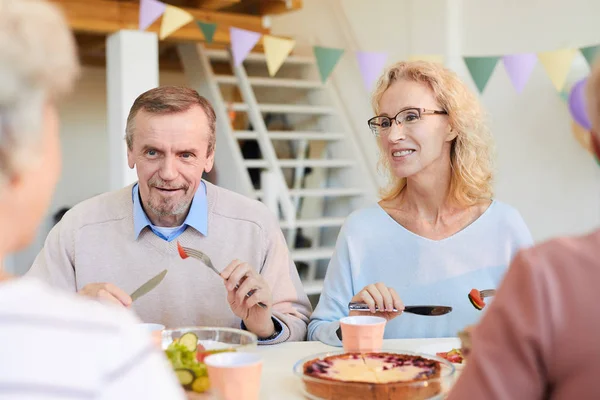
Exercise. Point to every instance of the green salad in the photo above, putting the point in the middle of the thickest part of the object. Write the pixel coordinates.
(186, 357)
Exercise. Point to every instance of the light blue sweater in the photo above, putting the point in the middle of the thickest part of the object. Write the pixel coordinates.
(372, 247)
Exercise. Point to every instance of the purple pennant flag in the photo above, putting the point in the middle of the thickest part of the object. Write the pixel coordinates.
(150, 10)
(242, 41)
(371, 64)
(519, 68)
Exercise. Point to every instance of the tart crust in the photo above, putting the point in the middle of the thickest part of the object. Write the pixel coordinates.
(373, 376)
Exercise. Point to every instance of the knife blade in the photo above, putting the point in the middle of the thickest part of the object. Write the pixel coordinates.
(148, 286)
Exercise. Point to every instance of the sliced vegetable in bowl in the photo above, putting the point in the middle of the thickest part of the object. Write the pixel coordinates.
(192, 374)
(189, 340)
(186, 349)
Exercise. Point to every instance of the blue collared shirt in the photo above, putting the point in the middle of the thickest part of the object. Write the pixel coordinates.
(197, 216)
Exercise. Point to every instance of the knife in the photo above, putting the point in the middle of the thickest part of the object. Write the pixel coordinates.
(419, 310)
(148, 286)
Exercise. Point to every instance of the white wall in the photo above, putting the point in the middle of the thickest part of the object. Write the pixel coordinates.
(541, 169)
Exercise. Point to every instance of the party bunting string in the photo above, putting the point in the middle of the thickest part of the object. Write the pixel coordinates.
(519, 67)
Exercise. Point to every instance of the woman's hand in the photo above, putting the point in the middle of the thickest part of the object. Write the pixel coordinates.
(381, 300)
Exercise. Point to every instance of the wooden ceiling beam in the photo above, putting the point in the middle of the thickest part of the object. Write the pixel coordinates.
(88, 43)
(106, 17)
(273, 7)
(216, 4)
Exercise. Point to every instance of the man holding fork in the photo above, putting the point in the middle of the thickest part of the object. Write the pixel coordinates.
(107, 246)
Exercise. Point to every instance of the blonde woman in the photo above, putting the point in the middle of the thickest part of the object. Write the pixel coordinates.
(53, 345)
(437, 232)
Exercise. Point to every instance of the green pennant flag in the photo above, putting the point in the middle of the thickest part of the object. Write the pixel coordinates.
(590, 53)
(481, 69)
(208, 30)
(327, 58)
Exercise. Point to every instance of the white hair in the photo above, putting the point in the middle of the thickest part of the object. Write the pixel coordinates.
(38, 63)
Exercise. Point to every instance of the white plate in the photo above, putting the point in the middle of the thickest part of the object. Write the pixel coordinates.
(443, 345)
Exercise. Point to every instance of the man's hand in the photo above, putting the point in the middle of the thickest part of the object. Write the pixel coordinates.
(106, 292)
(245, 289)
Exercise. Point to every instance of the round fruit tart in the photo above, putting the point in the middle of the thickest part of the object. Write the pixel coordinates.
(376, 376)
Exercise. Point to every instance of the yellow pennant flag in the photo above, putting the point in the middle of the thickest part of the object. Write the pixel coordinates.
(434, 58)
(557, 65)
(173, 19)
(276, 51)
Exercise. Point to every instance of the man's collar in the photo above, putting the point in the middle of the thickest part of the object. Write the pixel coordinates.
(197, 216)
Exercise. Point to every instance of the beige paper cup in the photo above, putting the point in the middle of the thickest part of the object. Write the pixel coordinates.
(235, 375)
(362, 333)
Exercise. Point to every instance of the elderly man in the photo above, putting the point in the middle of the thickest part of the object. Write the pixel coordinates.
(106, 247)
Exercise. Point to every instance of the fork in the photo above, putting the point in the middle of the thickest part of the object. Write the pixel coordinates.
(487, 293)
(185, 252)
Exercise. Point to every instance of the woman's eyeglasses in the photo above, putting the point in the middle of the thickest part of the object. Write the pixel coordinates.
(381, 125)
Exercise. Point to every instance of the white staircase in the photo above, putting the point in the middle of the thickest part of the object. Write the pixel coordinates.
(320, 139)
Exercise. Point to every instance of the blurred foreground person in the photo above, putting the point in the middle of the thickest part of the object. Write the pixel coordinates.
(53, 345)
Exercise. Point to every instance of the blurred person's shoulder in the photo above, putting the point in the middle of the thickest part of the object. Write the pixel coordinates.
(29, 297)
(62, 345)
(565, 269)
(567, 255)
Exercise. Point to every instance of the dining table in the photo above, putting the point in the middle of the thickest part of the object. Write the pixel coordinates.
(278, 381)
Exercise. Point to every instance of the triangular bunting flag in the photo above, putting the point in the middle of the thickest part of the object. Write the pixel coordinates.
(590, 53)
(564, 95)
(276, 51)
(150, 11)
(519, 68)
(557, 65)
(481, 69)
(242, 41)
(371, 65)
(327, 58)
(434, 58)
(173, 19)
(208, 30)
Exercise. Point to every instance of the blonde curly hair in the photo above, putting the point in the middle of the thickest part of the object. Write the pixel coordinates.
(471, 151)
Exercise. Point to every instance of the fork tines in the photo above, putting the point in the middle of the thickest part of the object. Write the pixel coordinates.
(487, 293)
(185, 252)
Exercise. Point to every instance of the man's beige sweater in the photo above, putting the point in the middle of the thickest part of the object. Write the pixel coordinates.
(95, 242)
